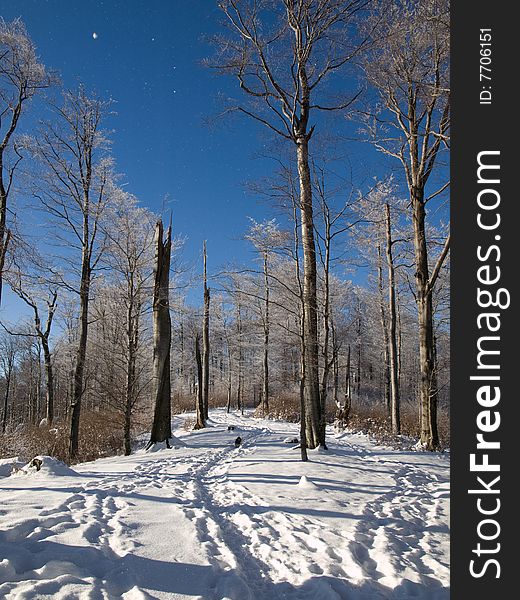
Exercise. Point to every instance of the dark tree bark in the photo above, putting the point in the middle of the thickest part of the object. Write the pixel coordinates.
(265, 382)
(161, 393)
(81, 352)
(200, 423)
(133, 312)
(205, 342)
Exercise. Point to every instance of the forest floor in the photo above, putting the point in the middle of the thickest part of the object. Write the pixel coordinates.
(208, 520)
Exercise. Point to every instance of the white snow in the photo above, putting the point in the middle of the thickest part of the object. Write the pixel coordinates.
(208, 520)
(174, 443)
(45, 466)
(306, 483)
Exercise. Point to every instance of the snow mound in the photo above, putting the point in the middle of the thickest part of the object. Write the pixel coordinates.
(46, 465)
(306, 483)
(8, 465)
(174, 441)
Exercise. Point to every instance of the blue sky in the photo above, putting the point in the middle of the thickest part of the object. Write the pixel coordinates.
(147, 57)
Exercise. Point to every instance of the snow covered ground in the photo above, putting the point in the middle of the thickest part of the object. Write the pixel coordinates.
(206, 520)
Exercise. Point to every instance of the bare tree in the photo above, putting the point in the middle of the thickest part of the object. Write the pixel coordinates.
(282, 56)
(266, 237)
(335, 222)
(129, 229)
(42, 332)
(410, 71)
(392, 327)
(74, 188)
(161, 395)
(22, 76)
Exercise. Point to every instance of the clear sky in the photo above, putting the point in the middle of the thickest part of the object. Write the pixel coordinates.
(147, 56)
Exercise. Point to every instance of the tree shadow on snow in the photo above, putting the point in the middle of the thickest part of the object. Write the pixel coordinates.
(118, 573)
(326, 587)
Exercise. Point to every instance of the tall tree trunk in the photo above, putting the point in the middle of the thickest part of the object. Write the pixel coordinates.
(132, 340)
(384, 329)
(81, 353)
(205, 343)
(5, 237)
(326, 337)
(230, 374)
(335, 364)
(392, 334)
(348, 390)
(359, 354)
(39, 379)
(399, 337)
(161, 394)
(200, 408)
(240, 360)
(6, 400)
(5, 233)
(49, 382)
(33, 398)
(310, 316)
(302, 371)
(428, 380)
(265, 390)
(303, 404)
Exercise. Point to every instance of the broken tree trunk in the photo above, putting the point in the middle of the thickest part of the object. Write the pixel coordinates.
(200, 423)
(161, 391)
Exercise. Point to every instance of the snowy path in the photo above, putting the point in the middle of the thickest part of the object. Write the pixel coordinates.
(210, 521)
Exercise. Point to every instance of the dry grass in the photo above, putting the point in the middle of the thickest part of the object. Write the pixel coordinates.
(101, 434)
(373, 419)
(187, 402)
(281, 408)
(368, 418)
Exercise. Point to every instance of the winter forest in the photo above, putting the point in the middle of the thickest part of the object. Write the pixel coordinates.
(269, 371)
